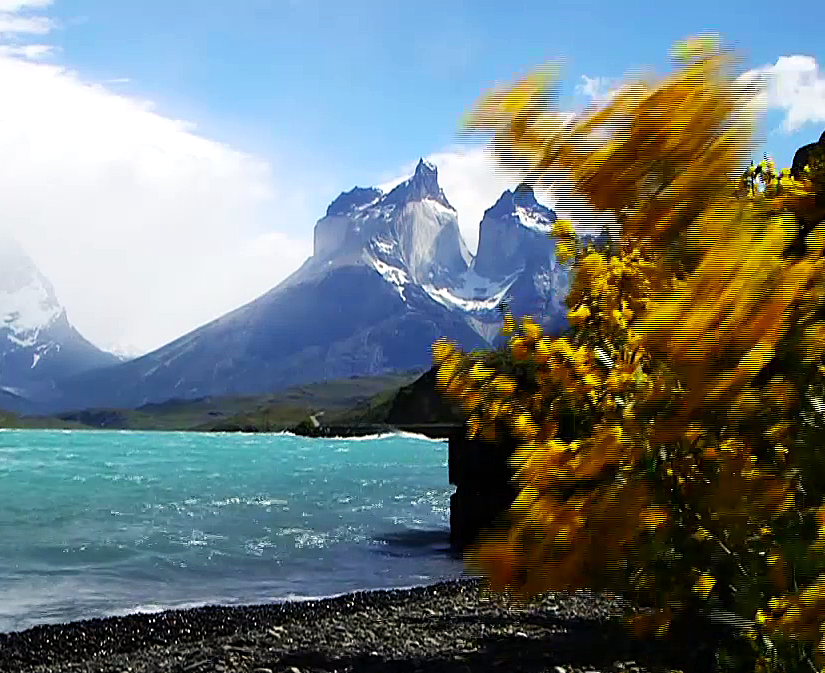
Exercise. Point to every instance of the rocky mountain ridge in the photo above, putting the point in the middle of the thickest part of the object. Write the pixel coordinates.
(389, 274)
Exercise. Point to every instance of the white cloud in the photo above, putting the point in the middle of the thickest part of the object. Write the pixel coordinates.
(597, 88)
(17, 5)
(11, 24)
(793, 84)
(32, 52)
(16, 21)
(146, 229)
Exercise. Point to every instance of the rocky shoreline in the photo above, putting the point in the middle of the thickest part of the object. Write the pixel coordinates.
(443, 627)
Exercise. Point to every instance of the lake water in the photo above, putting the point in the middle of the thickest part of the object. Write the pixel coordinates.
(100, 523)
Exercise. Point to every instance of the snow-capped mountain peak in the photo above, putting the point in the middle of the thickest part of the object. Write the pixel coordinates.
(37, 342)
(521, 203)
(423, 185)
(408, 235)
(28, 303)
(356, 198)
(514, 231)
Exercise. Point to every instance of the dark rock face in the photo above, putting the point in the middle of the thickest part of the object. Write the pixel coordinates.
(515, 249)
(803, 155)
(421, 402)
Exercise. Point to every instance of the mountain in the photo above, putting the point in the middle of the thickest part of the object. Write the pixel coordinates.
(38, 344)
(517, 264)
(389, 274)
(409, 235)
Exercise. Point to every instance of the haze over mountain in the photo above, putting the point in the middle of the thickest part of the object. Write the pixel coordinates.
(389, 274)
(38, 344)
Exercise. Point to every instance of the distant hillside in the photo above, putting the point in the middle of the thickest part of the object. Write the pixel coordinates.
(273, 412)
(17, 422)
(327, 399)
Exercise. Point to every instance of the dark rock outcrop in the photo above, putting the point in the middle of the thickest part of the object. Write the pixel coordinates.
(803, 156)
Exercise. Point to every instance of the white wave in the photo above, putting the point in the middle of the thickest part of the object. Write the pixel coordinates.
(154, 608)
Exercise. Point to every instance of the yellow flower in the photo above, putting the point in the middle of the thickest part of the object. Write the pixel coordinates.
(564, 251)
(530, 330)
(578, 316)
(518, 347)
(704, 585)
(441, 349)
(504, 386)
(524, 426)
(509, 325)
(701, 534)
(695, 47)
(653, 517)
(480, 373)
(561, 229)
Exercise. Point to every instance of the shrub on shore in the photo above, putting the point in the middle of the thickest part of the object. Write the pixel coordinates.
(669, 441)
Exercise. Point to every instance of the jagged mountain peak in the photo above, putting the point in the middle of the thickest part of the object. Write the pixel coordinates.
(509, 202)
(425, 167)
(357, 197)
(513, 234)
(422, 185)
(410, 232)
(524, 196)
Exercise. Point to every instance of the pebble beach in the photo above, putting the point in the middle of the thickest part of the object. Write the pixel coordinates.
(449, 626)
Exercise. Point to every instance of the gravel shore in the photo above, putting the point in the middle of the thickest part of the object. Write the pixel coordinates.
(438, 628)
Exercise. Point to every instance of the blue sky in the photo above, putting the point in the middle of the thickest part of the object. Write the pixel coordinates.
(182, 150)
(355, 89)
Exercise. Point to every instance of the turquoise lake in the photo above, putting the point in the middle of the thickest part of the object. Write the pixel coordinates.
(100, 523)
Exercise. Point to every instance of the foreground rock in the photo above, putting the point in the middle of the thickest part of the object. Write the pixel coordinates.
(443, 627)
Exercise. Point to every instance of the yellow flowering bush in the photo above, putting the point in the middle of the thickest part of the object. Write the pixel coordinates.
(668, 442)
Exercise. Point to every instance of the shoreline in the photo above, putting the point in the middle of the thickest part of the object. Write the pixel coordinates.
(447, 626)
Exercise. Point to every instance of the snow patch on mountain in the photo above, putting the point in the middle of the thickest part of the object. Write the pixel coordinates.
(439, 207)
(474, 292)
(38, 345)
(392, 274)
(533, 220)
(123, 352)
(43, 349)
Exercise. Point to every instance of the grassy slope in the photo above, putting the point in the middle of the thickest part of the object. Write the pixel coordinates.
(8, 420)
(333, 398)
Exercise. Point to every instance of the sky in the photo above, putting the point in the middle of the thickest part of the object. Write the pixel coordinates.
(165, 161)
